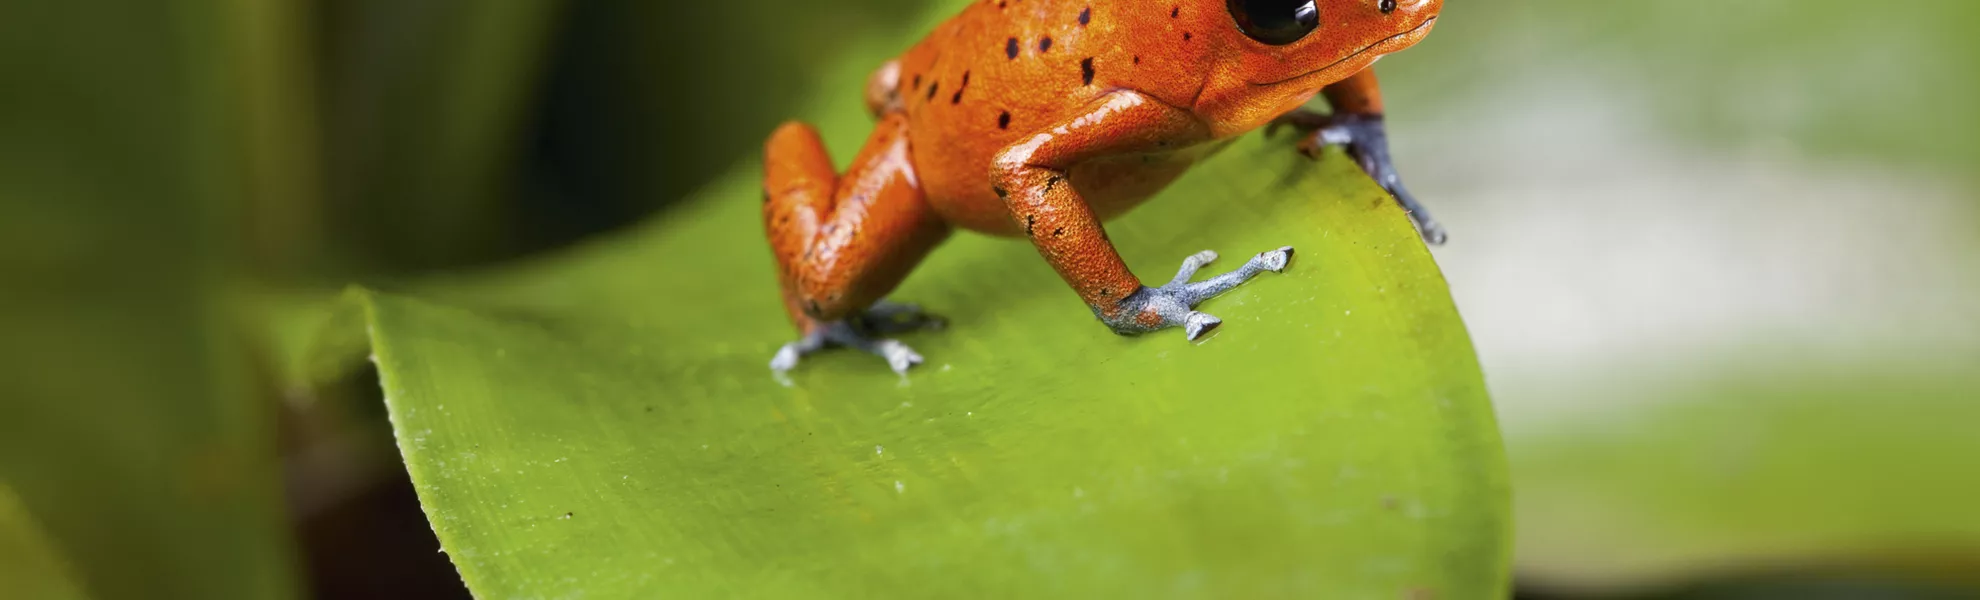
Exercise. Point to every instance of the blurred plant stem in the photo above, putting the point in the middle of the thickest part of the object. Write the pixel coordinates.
(282, 223)
(423, 121)
(130, 433)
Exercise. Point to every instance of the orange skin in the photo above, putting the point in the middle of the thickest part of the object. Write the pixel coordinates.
(1041, 119)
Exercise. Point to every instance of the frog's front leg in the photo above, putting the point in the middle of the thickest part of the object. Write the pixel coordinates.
(1031, 177)
(1356, 124)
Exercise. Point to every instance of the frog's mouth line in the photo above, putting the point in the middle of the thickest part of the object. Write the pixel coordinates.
(1413, 31)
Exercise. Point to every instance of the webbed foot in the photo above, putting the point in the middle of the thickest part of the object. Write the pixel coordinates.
(862, 332)
(1367, 141)
(1173, 305)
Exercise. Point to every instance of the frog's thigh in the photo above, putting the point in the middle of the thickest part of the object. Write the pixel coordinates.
(842, 255)
(798, 182)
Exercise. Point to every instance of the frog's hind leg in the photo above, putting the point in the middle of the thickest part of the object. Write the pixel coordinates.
(843, 242)
(883, 89)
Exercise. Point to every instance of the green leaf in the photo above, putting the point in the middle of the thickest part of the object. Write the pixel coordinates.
(603, 423)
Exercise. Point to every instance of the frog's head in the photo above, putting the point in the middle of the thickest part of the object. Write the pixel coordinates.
(1289, 49)
(1287, 41)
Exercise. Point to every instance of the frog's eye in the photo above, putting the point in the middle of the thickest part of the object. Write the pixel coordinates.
(1275, 22)
(1387, 6)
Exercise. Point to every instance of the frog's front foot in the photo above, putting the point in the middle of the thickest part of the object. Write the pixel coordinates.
(1367, 141)
(1173, 305)
(862, 332)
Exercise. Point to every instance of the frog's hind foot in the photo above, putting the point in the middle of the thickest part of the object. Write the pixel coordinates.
(893, 317)
(1367, 141)
(862, 332)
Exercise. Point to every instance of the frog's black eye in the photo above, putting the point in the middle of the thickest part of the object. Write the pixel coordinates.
(1387, 6)
(1275, 22)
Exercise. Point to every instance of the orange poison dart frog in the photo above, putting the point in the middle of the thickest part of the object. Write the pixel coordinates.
(1042, 118)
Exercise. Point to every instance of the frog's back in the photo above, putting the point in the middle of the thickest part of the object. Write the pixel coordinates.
(1003, 70)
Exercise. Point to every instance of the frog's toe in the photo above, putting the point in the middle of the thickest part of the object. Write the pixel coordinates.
(1193, 293)
(1197, 324)
(862, 334)
(790, 354)
(1276, 260)
(866, 339)
(899, 356)
(787, 357)
(1173, 305)
(1433, 232)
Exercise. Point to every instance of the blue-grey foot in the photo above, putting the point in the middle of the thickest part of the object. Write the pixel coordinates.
(1367, 141)
(1174, 304)
(862, 332)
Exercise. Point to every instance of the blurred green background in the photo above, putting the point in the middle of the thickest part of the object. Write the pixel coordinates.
(1721, 262)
